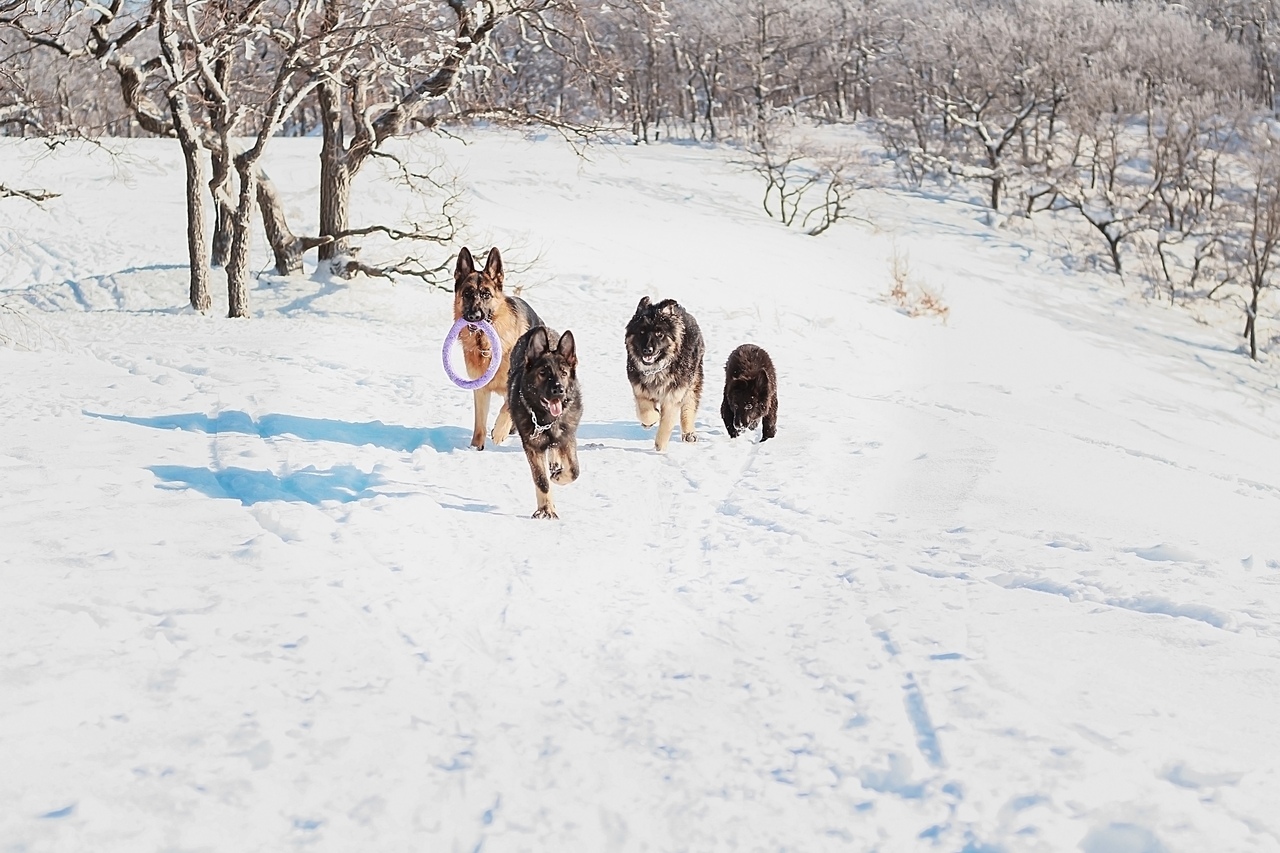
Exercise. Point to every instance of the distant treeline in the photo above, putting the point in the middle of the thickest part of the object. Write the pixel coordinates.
(1152, 122)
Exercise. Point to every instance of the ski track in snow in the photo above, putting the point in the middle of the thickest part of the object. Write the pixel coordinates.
(1008, 583)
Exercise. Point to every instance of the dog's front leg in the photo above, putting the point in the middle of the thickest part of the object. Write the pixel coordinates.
(726, 415)
(688, 412)
(646, 411)
(502, 426)
(481, 396)
(566, 463)
(770, 425)
(670, 413)
(541, 483)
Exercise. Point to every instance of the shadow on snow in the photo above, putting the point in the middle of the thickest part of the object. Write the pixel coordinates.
(343, 484)
(388, 436)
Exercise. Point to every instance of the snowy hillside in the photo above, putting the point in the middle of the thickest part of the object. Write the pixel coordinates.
(1008, 582)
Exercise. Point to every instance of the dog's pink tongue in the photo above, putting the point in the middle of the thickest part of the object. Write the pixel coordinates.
(555, 407)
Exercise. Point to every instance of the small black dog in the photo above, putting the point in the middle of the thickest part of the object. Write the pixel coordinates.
(664, 363)
(750, 392)
(546, 406)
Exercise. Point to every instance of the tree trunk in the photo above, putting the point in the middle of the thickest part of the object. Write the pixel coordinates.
(223, 203)
(1251, 323)
(284, 245)
(197, 251)
(242, 233)
(335, 206)
(224, 215)
(335, 174)
(192, 156)
(997, 179)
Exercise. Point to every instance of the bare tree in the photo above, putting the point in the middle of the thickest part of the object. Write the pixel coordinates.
(155, 75)
(1192, 145)
(177, 94)
(1108, 183)
(399, 65)
(371, 93)
(297, 58)
(1253, 246)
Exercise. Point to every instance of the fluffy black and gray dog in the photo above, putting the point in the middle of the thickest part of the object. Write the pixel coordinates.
(546, 406)
(750, 392)
(664, 364)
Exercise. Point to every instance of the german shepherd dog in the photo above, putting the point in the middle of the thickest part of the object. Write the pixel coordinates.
(546, 405)
(664, 364)
(477, 295)
(750, 392)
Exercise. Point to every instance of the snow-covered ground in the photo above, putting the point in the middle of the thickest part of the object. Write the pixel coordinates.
(1005, 583)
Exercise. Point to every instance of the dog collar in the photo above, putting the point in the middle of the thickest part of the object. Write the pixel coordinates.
(538, 429)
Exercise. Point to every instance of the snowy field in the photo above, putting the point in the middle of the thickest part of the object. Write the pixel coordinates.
(1008, 582)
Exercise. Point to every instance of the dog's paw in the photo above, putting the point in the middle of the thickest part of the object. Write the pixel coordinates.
(560, 475)
(689, 436)
(545, 513)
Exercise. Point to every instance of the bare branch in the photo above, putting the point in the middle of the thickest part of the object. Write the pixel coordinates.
(35, 196)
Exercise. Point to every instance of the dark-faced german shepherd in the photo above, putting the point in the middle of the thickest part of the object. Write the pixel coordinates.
(546, 405)
(664, 364)
(750, 392)
(477, 295)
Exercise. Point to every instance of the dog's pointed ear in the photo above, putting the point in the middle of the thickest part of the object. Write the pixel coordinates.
(568, 349)
(668, 306)
(493, 267)
(538, 345)
(466, 266)
(644, 303)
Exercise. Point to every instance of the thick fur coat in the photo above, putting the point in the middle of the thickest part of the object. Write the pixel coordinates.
(478, 295)
(750, 393)
(546, 406)
(664, 364)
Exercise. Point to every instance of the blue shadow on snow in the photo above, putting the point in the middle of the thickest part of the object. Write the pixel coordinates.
(343, 484)
(376, 433)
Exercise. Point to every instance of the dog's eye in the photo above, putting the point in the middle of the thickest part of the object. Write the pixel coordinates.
(484, 294)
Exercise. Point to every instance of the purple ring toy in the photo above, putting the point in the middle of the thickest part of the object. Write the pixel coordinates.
(495, 344)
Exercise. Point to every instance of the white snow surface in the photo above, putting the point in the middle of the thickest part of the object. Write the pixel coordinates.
(1008, 582)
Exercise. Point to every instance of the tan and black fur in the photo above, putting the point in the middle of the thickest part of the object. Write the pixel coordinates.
(750, 393)
(477, 295)
(546, 406)
(664, 364)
